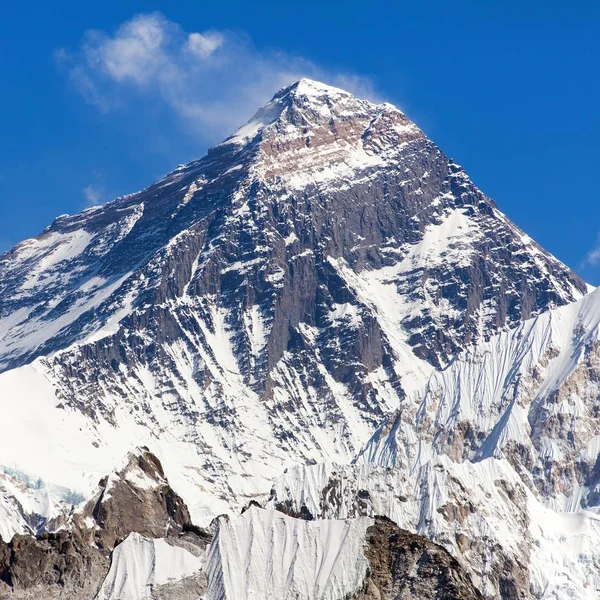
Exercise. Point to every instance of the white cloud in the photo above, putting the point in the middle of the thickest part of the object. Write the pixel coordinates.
(204, 44)
(92, 194)
(592, 258)
(135, 53)
(212, 81)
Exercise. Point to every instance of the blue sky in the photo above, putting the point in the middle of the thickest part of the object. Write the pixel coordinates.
(100, 99)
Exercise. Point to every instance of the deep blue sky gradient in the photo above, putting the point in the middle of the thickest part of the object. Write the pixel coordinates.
(510, 90)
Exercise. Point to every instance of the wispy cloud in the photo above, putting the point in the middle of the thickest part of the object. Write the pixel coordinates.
(592, 258)
(93, 194)
(212, 80)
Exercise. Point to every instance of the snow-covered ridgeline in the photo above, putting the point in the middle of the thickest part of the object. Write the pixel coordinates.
(481, 513)
(260, 553)
(269, 555)
(528, 395)
(51, 281)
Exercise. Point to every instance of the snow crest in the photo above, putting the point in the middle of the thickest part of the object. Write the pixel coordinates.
(264, 554)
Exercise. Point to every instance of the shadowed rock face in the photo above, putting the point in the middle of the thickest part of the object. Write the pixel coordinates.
(57, 565)
(405, 566)
(63, 566)
(137, 498)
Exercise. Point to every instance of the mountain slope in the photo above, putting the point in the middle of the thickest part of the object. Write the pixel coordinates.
(529, 395)
(496, 459)
(266, 305)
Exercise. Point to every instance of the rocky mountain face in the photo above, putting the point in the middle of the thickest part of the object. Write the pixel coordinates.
(267, 304)
(72, 562)
(404, 565)
(323, 315)
(317, 181)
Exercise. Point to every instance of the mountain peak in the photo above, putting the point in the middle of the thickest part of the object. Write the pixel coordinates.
(311, 87)
(271, 304)
(312, 132)
(304, 103)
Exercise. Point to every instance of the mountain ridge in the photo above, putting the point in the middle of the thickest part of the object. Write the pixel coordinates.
(217, 279)
(271, 305)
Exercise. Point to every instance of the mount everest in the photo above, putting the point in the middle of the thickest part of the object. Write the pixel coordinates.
(323, 316)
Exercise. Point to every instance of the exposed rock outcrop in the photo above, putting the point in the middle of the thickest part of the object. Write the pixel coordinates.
(137, 498)
(54, 565)
(404, 566)
(71, 564)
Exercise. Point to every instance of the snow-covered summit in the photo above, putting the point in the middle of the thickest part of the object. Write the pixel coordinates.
(304, 104)
(306, 89)
(310, 87)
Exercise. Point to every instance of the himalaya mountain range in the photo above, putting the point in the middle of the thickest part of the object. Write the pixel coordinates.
(316, 363)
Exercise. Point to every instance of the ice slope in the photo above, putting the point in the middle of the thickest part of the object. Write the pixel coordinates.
(529, 395)
(268, 555)
(139, 565)
(264, 554)
(482, 513)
